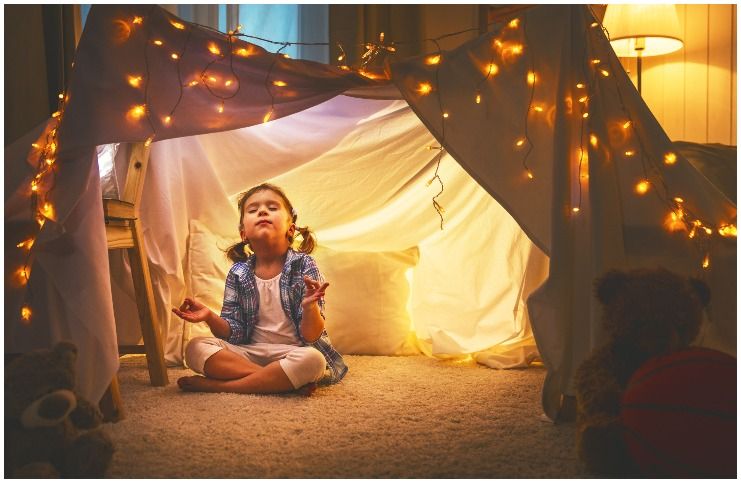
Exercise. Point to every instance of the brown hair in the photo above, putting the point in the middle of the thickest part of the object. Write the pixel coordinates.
(240, 251)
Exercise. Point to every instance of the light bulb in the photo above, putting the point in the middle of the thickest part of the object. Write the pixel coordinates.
(424, 88)
(670, 158)
(433, 60)
(214, 49)
(642, 187)
(26, 313)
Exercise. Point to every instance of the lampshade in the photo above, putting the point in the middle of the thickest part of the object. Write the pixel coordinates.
(643, 30)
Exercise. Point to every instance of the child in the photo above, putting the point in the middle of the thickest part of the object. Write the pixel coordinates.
(270, 337)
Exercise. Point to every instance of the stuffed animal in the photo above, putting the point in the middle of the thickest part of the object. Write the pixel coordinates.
(49, 430)
(646, 313)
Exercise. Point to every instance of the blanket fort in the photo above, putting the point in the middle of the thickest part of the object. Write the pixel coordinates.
(538, 111)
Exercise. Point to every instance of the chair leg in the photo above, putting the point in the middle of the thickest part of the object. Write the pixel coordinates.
(111, 404)
(145, 305)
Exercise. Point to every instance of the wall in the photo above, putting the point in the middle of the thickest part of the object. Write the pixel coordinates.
(692, 92)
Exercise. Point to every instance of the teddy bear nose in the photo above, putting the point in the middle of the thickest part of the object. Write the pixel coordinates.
(55, 405)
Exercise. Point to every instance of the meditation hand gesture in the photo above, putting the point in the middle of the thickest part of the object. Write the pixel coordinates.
(192, 311)
(314, 291)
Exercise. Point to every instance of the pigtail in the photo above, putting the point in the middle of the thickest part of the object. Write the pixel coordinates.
(236, 252)
(308, 240)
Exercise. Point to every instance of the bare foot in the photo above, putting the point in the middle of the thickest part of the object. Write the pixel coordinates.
(194, 383)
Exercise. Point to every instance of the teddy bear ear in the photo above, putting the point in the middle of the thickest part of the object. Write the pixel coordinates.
(701, 290)
(609, 285)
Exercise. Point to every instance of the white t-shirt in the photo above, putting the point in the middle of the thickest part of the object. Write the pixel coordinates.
(273, 325)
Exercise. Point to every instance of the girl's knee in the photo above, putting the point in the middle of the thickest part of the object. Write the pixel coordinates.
(314, 362)
(196, 350)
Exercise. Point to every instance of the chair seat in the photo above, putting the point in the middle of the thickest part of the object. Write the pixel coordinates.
(118, 210)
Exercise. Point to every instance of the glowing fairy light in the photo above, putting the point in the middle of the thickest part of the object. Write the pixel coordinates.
(706, 261)
(492, 69)
(35, 146)
(220, 108)
(212, 79)
(34, 185)
(167, 120)
(642, 187)
(193, 83)
(22, 275)
(214, 49)
(678, 199)
(135, 81)
(593, 140)
(149, 140)
(478, 98)
(585, 115)
(594, 24)
(596, 61)
(56, 114)
(26, 313)
(575, 209)
(583, 99)
(604, 72)
(286, 56)
(177, 25)
(267, 116)
(60, 96)
(537, 109)
(26, 244)
(242, 52)
(530, 174)
(228, 83)
(531, 78)
(433, 60)
(446, 115)
(580, 86)
(279, 83)
(629, 153)
(727, 231)
(174, 56)
(516, 49)
(520, 142)
(424, 88)
(48, 210)
(670, 158)
(158, 43)
(137, 20)
(514, 23)
(137, 112)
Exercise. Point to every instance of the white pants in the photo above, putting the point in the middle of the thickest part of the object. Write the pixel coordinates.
(302, 365)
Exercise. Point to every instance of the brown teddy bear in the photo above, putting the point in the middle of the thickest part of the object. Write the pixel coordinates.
(49, 430)
(645, 313)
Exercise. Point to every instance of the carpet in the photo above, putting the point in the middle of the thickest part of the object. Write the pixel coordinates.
(391, 417)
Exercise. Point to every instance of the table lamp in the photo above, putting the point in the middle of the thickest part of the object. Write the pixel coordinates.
(642, 31)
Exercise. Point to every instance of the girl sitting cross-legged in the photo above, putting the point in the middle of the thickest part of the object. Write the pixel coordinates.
(270, 336)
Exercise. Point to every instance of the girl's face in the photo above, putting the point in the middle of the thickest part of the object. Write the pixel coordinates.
(265, 218)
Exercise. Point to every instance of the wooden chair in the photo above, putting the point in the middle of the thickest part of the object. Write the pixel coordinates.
(124, 230)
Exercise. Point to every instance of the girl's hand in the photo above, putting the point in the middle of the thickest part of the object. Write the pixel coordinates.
(314, 291)
(192, 311)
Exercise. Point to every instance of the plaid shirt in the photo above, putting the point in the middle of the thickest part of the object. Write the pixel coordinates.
(241, 303)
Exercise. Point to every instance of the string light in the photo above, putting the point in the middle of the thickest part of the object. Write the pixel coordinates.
(221, 107)
(492, 69)
(585, 115)
(214, 49)
(136, 112)
(26, 244)
(158, 42)
(593, 140)
(514, 23)
(267, 116)
(135, 81)
(626, 125)
(48, 210)
(175, 56)
(26, 313)
(727, 231)
(642, 187)
(279, 83)
(531, 78)
(177, 25)
(149, 140)
(446, 115)
(137, 20)
(706, 261)
(433, 60)
(424, 88)
(670, 158)
(530, 174)
(604, 72)
(167, 120)
(478, 98)
(580, 86)
(576, 209)
(629, 153)
(519, 142)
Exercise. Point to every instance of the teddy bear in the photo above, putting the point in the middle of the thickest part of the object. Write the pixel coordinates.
(646, 313)
(50, 431)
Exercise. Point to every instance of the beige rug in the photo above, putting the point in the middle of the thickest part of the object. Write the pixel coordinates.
(390, 417)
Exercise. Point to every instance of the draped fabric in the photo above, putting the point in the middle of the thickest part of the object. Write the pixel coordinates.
(357, 167)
